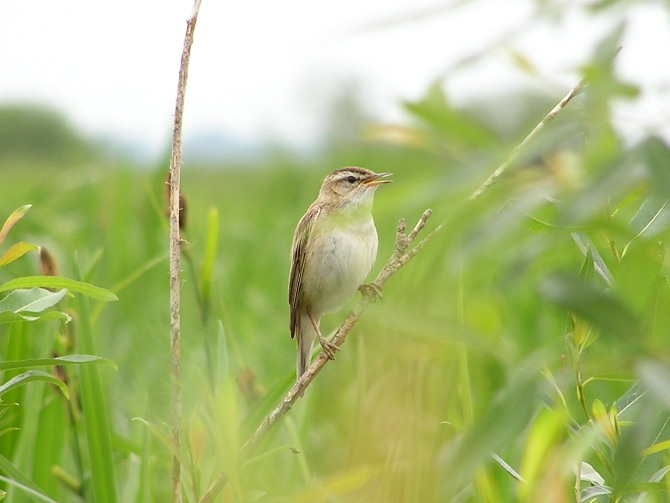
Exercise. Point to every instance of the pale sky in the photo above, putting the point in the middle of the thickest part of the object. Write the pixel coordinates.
(260, 68)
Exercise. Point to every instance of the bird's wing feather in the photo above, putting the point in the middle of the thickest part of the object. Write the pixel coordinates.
(298, 263)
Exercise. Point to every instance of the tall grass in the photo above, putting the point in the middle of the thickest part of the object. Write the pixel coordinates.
(522, 356)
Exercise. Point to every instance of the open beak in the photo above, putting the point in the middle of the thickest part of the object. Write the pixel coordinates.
(376, 179)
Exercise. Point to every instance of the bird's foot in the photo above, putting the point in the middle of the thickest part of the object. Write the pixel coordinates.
(328, 347)
(371, 291)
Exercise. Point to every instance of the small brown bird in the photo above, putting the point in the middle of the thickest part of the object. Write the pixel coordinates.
(334, 248)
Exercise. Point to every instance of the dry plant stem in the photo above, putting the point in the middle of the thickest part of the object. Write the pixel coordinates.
(401, 255)
(515, 153)
(175, 250)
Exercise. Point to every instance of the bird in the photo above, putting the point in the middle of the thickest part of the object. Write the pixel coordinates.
(334, 248)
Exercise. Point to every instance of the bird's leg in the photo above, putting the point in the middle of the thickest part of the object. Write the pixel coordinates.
(372, 291)
(328, 347)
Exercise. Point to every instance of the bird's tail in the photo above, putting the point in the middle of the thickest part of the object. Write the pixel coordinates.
(305, 338)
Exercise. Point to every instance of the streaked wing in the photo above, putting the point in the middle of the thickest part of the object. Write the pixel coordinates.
(300, 239)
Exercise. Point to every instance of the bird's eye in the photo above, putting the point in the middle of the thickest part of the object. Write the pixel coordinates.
(351, 179)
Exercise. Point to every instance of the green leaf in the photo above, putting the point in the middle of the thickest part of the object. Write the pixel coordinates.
(9, 317)
(95, 413)
(33, 375)
(598, 305)
(592, 492)
(92, 291)
(60, 360)
(589, 474)
(656, 375)
(33, 300)
(655, 154)
(16, 251)
(207, 267)
(592, 259)
(18, 479)
(505, 419)
(652, 218)
(627, 402)
(162, 433)
(506, 466)
(12, 219)
(657, 447)
(547, 429)
(461, 127)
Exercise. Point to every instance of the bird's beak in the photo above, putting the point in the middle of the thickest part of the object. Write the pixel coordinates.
(376, 179)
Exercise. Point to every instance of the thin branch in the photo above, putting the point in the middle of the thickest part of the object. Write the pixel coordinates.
(400, 256)
(515, 153)
(175, 250)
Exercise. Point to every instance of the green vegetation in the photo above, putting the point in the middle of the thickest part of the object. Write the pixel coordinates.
(522, 356)
(33, 136)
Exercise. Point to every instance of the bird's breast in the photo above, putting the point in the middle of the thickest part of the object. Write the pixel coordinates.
(337, 263)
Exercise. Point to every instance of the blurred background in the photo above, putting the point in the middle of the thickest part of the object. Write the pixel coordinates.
(267, 75)
(522, 356)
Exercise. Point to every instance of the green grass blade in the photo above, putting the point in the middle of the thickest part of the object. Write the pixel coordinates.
(49, 449)
(16, 251)
(95, 292)
(60, 360)
(95, 414)
(12, 219)
(31, 376)
(9, 317)
(26, 487)
(207, 267)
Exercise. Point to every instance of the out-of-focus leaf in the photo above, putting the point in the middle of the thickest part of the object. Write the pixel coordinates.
(657, 447)
(592, 258)
(263, 406)
(4, 407)
(594, 491)
(651, 219)
(505, 466)
(548, 427)
(435, 109)
(660, 474)
(655, 154)
(339, 485)
(30, 376)
(615, 180)
(606, 421)
(163, 434)
(637, 274)
(522, 62)
(600, 74)
(12, 219)
(207, 268)
(19, 479)
(653, 216)
(655, 376)
(505, 419)
(60, 360)
(396, 134)
(589, 474)
(626, 403)
(601, 307)
(33, 300)
(16, 251)
(9, 317)
(92, 291)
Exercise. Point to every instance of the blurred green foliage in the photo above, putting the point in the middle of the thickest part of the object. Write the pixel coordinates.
(522, 356)
(33, 136)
